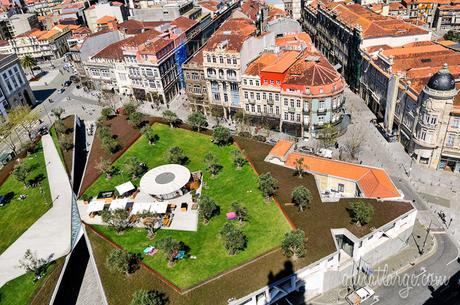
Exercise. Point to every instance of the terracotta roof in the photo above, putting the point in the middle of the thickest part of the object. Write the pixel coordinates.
(133, 26)
(231, 35)
(251, 8)
(184, 23)
(373, 182)
(209, 5)
(256, 66)
(449, 7)
(283, 62)
(281, 148)
(105, 19)
(3, 42)
(372, 24)
(197, 59)
(294, 39)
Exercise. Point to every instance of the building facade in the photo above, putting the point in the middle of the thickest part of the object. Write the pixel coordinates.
(95, 12)
(197, 95)
(447, 17)
(14, 87)
(401, 86)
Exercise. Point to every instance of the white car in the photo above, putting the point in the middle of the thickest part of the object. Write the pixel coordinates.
(360, 295)
(325, 153)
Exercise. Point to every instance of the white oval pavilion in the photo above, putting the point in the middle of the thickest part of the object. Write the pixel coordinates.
(165, 181)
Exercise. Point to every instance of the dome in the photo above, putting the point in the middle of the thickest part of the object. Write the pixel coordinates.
(442, 80)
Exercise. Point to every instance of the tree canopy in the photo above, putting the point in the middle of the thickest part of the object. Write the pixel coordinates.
(197, 120)
(234, 240)
(361, 212)
(268, 185)
(207, 208)
(221, 135)
(293, 244)
(301, 196)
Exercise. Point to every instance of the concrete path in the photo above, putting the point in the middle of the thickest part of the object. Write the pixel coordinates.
(49, 236)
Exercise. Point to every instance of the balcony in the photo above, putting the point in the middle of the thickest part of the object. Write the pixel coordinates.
(322, 110)
(270, 102)
(252, 101)
(291, 109)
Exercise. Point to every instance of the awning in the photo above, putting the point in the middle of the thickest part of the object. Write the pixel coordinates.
(118, 204)
(159, 207)
(95, 206)
(124, 188)
(155, 207)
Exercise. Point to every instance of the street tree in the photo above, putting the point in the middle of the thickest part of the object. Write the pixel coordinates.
(170, 117)
(150, 134)
(144, 297)
(301, 196)
(361, 212)
(299, 166)
(30, 63)
(117, 219)
(57, 112)
(268, 185)
(197, 120)
(6, 134)
(105, 167)
(238, 159)
(207, 208)
(60, 127)
(293, 244)
(218, 113)
(152, 222)
(106, 112)
(110, 145)
(353, 143)
(136, 119)
(170, 247)
(212, 164)
(328, 135)
(23, 117)
(108, 100)
(32, 263)
(233, 238)
(134, 167)
(20, 172)
(240, 211)
(176, 155)
(221, 135)
(130, 108)
(121, 261)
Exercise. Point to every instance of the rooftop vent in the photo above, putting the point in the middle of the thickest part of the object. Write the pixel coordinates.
(426, 60)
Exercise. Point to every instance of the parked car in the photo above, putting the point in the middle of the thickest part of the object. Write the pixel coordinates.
(360, 295)
(306, 150)
(61, 90)
(67, 83)
(325, 153)
(271, 141)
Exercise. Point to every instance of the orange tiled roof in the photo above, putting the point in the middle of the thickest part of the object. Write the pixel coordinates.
(184, 23)
(373, 182)
(105, 19)
(281, 148)
(372, 24)
(231, 35)
(284, 61)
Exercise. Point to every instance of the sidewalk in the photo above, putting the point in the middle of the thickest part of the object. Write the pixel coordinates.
(49, 236)
(395, 264)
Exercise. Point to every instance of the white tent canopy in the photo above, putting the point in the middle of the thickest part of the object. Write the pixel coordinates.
(165, 179)
(156, 207)
(124, 188)
(118, 204)
(95, 206)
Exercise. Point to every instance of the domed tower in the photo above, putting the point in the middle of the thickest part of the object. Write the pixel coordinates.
(436, 104)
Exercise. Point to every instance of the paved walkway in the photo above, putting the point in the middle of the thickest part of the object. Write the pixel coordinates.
(49, 236)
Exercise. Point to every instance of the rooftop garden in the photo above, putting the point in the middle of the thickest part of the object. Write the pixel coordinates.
(264, 228)
(62, 134)
(26, 196)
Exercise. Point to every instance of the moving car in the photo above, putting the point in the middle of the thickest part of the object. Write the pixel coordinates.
(360, 295)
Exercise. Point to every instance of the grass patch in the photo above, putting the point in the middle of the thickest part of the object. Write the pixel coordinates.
(265, 228)
(23, 291)
(18, 215)
(66, 156)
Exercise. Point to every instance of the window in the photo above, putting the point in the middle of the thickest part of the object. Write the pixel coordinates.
(271, 82)
(265, 108)
(257, 83)
(250, 82)
(252, 95)
(292, 117)
(246, 95)
(433, 120)
(286, 116)
(258, 109)
(455, 122)
(234, 61)
(229, 61)
(422, 135)
(285, 102)
(450, 140)
(340, 188)
(321, 119)
(225, 97)
(277, 96)
(292, 103)
(270, 109)
(253, 108)
(298, 104)
(265, 82)
(277, 110)
(264, 96)
(213, 59)
(321, 105)
(278, 82)
(258, 96)
(247, 107)
(298, 117)
(245, 81)
(221, 59)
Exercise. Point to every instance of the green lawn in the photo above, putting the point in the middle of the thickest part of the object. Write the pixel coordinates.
(21, 290)
(265, 228)
(54, 136)
(18, 215)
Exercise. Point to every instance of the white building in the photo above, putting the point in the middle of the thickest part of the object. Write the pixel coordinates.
(99, 10)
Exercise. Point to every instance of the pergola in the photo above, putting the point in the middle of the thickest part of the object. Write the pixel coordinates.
(166, 181)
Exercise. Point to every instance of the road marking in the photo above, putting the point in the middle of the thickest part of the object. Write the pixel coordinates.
(455, 259)
(423, 269)
(375, 300)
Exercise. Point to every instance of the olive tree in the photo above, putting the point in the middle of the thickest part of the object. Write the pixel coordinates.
(361, 212)
(268, 185)
(301, 197)
(234, 240)
(293, 244)
(197, 120)
(207, 208)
